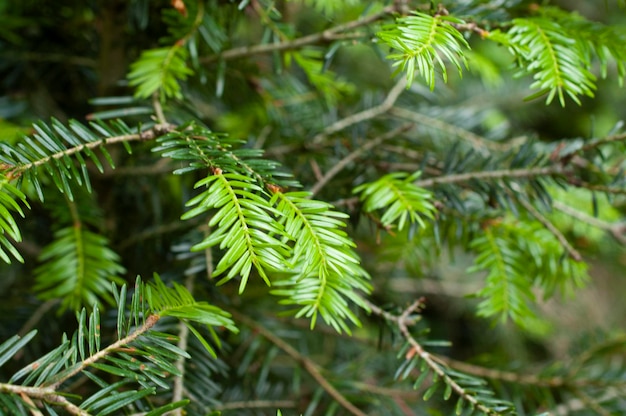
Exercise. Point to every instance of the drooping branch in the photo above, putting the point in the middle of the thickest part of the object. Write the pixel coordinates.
(307, 364)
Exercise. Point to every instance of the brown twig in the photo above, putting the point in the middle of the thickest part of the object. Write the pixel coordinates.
(356, 154)
(491, 174)
(368, 114)
(573, 253)
(479, 143)
(311, 367)
(327, 35)
(616, 229)
(49, 394)
(403, 322)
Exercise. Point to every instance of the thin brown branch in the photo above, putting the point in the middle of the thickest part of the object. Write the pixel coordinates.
(616, 229)
(355, 155)
(183, 338)
(325, 36)
(158, 109)
(479, 143)
(599, 142)
(601, 188)
(491, 174)
(312, 368)
(404, 321)
(46, 394)
(571, 251)
(256, 404)
(368, 114)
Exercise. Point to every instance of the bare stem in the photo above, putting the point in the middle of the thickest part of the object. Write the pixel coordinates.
(355, 155)
(482, 145)
(491, 174)
(616, 229)
(573, 253)
(368, 114)
(327, 35)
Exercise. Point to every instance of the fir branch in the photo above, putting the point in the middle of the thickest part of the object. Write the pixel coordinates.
(320, 37)
(243, 225)
(370, 144)
(492, 175)
(573, 253)
(407, 319)
(326, 272)
(14, 169)
(9, 230)
(312, 368)
(401, 200)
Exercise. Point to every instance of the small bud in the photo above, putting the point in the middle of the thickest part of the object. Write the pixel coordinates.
(180, 7)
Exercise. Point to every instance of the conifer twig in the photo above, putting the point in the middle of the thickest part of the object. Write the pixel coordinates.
(368, 114)
(319, 37)
(616, 229)
(573, 253)
(354, 155)
(311, 367)
(403, 322)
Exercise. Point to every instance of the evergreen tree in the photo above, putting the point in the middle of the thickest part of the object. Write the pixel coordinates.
(307, 207)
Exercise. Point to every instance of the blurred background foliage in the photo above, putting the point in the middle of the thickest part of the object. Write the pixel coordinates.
(69, 59)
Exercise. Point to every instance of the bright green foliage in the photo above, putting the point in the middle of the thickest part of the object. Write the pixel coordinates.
(287, 233)
(243, 225)
(424, 42)
(180, 304)
(77, 267)
(400, 199)
(160, 70)
(556, 60)
(324, 80)
(518, 255)
(8, 226)
(326, 273)
(558, 49)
